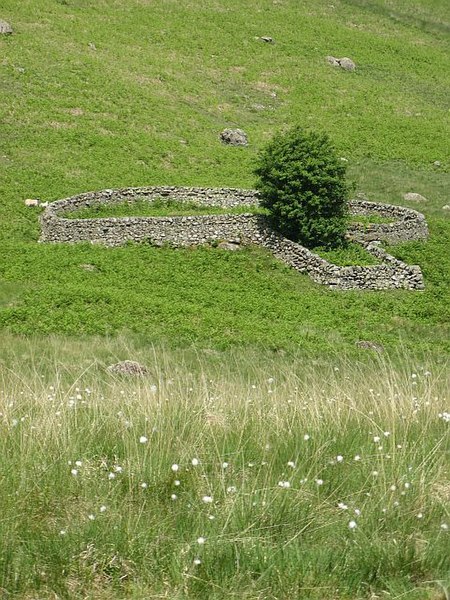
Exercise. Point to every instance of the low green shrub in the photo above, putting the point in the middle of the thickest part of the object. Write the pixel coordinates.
(302, 183)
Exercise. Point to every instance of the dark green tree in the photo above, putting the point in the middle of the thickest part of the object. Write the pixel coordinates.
(302, 184)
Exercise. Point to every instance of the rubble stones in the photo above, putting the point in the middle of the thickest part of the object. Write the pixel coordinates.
(234, 137)
(247, 228)
(31, 202)
(128, 367)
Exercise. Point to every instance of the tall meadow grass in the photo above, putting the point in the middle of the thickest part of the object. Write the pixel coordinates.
(248, 478)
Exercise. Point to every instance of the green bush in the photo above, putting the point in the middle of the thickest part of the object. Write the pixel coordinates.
(302, 184)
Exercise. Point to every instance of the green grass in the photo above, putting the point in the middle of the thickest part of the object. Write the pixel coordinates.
(156, 208)
(287, 460)
(370, 219)
(351, 254)
(146, 105)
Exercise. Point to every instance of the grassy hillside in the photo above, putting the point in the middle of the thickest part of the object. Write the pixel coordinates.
(120, 93)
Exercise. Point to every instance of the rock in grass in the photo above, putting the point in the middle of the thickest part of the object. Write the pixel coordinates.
(31, 202)
(88, 267)
(5, 28)
(229, 246)
(446, 207)
(333, 61)
(367, 345)
(128, 367)
(345, 63)
(267, 39)
(413, 197)
(234, 137)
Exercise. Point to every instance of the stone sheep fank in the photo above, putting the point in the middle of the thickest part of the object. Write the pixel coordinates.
(247, 228)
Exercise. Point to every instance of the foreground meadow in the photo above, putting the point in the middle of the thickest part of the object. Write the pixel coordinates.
(245, 478)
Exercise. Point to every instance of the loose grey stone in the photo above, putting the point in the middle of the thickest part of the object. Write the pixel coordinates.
(31, 202)
(413, 197)
(367, 345)
(347, 64)
(234, 137)
(5, 28)
(228, 246)
(267, 39)
(437, 163)
(128, 367)
(88, 267)
(333, 61)
(446, 207)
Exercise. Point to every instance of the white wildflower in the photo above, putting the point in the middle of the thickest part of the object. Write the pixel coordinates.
(352, 525)
(174, 467)
(201, 540)
(207, 499)
(143, 439)
(195, 462)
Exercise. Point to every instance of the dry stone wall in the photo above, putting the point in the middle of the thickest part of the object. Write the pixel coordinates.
(246, 228)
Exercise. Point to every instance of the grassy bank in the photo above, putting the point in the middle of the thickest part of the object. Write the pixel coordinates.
(212, 479)
(134, 93)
